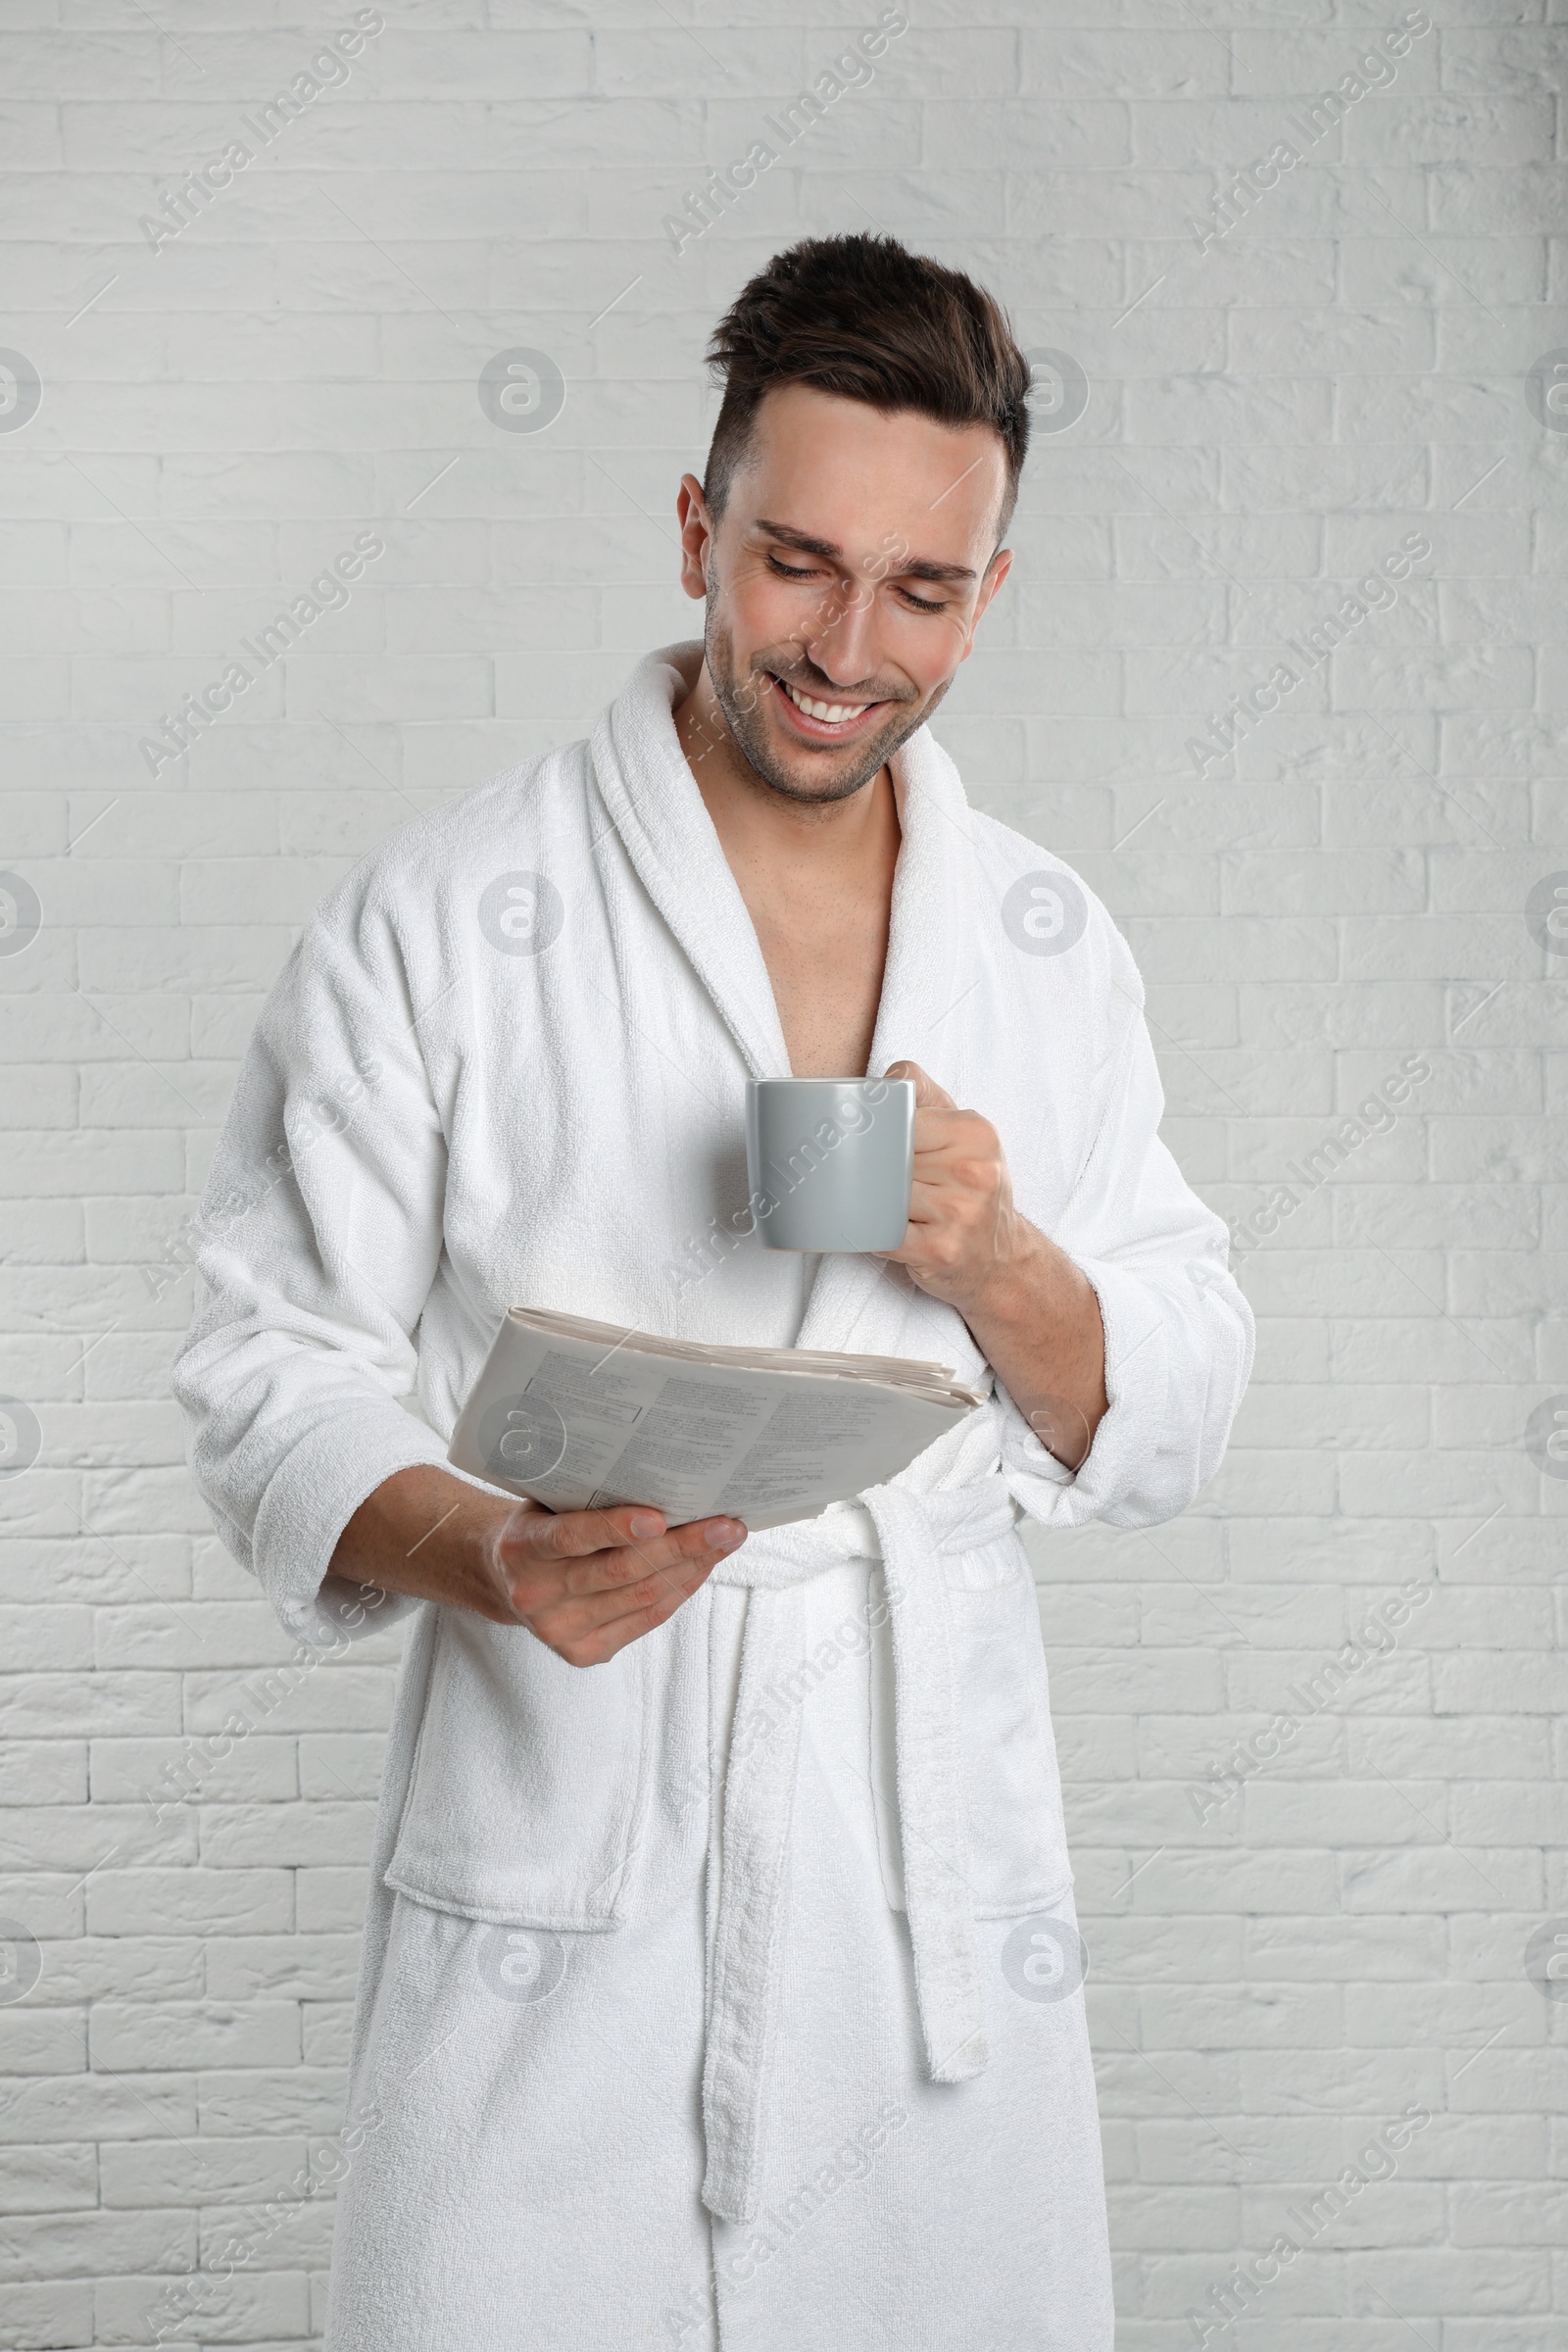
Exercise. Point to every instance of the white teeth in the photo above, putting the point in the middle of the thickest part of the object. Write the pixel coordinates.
(833, 713)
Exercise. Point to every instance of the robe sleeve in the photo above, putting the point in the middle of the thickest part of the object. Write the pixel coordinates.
(1178, 1334)
(316, 1247)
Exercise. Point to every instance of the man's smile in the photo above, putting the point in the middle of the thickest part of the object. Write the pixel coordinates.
(817, 720)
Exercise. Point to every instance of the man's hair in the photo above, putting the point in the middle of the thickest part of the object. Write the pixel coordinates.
(864, 317)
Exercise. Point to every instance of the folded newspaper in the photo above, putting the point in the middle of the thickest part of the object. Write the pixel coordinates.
(580, 1414)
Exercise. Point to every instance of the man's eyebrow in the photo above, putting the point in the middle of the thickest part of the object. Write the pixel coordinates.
(919, 568)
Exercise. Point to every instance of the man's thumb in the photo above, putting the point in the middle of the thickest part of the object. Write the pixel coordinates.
(926, 1089)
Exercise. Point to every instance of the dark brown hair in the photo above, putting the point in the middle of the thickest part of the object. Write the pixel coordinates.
(866, 318)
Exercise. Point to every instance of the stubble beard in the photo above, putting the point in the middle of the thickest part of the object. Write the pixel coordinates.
(741, 700)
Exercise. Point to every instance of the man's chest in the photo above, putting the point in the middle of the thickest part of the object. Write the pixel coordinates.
(822, 913)
(826, 969)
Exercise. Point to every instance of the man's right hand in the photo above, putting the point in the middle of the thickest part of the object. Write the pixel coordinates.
(585, 1582)
(589, 1582)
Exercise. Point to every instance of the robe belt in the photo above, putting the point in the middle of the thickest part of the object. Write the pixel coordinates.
(910, 1534)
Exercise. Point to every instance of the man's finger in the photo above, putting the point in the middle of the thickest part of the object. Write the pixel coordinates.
(670, 1556)
(942, 1132)
(606, 1622)
(591, 1552)
(928, 1096)
(937, 1201)
(569, 1534)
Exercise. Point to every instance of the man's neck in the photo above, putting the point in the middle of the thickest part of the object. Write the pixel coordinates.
(817, 881)
(757, 825)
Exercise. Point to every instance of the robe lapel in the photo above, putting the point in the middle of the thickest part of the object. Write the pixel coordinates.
(651, 800)
(930, 986)
(929, 1000)
(930, 964)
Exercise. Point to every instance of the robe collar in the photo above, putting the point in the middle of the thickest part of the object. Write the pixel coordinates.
(652, 798)
(931, 991)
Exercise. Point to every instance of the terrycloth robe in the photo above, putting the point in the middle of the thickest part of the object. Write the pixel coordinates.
(728, 1993)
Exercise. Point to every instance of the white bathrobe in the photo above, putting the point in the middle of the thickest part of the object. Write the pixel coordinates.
(726, 1994)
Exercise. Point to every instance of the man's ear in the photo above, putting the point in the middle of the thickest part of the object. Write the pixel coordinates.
(695, 535)
(996, 573)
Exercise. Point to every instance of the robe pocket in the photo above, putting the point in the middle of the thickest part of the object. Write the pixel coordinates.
(527, 1780)
(1007, 1755)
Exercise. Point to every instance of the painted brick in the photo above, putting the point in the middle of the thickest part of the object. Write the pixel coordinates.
(1268, 416)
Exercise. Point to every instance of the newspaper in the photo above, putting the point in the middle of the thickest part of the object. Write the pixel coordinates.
(580, 1415)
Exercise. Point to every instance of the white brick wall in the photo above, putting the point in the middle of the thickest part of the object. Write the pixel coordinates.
(1345, 1937)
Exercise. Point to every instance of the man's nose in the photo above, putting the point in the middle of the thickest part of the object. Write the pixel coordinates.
(841, 642)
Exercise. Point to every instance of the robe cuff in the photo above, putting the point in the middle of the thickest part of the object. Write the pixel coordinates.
(311, 1498)
(1132, 1432)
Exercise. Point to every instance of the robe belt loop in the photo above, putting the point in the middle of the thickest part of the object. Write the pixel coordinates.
(911, 1534)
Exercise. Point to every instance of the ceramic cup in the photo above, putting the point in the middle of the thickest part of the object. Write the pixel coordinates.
(835, 1158)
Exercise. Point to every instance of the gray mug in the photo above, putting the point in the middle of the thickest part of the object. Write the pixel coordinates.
(830, 1161)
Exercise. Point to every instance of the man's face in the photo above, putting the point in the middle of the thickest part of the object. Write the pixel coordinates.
(844, 581)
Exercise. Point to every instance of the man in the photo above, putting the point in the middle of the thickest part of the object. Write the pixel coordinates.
(721, 1983)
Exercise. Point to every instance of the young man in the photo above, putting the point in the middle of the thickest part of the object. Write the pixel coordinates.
(722, 1985)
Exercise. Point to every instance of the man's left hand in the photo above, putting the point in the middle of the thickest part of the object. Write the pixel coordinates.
(964, 1233)
(1032, 1312)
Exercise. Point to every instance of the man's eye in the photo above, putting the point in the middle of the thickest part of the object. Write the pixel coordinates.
(792, 571)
